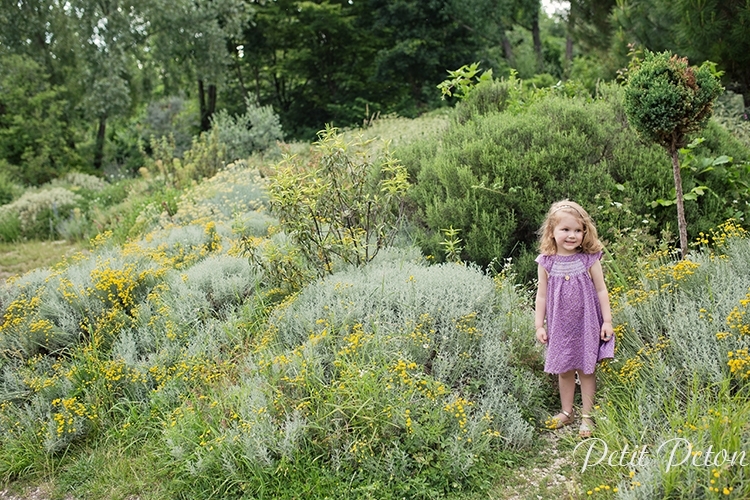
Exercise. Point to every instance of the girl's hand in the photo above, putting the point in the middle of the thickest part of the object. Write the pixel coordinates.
(607, 331)
(541, 335)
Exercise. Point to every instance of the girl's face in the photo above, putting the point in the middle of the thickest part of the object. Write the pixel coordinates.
(568, 234)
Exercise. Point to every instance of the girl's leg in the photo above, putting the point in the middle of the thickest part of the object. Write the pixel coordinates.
(588, 388)
(567, 382)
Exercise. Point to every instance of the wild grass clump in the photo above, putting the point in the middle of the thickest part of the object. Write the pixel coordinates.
(680, 378)
(395, 379)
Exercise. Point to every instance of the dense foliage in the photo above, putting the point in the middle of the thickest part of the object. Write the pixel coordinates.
(165, 358)
(353, 318)
(83, 83)
(511, 152)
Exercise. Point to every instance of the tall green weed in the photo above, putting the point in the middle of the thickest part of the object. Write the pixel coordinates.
(344, 206)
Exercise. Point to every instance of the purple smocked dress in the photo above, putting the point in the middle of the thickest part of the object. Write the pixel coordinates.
(574, 317)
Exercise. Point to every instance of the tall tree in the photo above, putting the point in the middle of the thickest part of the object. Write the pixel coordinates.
(419, 41)
(113, 31)
(35, 138)
(703, 30)
(39, 100)
(41, 30)
(490, 22)
(647, 22)
(311, 61)
(197, 39)
(718, 31)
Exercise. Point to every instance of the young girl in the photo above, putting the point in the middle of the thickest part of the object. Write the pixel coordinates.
(572, 297)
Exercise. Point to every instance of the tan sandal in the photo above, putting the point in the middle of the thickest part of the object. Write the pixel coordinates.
(560, 420)
(587, 426)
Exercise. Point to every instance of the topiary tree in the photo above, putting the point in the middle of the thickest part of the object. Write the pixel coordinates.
(665, 101)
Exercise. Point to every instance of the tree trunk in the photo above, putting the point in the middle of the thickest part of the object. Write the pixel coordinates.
(211, 102)
(537, 37)
(99, 146)
(507, 49)
(207, 104)
(681, 222)
(569, 36)
(240, 79)
(257, 84)
(205, 124)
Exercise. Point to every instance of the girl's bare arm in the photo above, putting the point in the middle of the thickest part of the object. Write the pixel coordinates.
(541, 305)
(597, 274)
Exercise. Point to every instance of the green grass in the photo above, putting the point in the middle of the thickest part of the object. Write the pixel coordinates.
(20, 258)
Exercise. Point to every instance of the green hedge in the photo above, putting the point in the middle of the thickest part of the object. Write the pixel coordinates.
(494, 173)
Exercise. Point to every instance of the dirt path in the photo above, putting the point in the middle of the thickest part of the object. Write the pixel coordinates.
(549, 477)
(31, 493)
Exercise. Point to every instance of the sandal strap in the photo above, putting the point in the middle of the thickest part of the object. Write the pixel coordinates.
(565, 413)
(583, 415)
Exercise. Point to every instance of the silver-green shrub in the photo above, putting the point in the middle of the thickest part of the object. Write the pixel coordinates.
(681, 368)
(257, 130)
(39, 212)
(397, 377)
(214, 287)
(81, 180)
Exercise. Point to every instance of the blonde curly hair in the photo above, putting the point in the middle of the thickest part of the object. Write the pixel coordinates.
(590, 243)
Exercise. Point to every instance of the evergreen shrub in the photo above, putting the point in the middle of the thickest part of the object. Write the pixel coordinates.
(491, 96)
(257, 130)
(494, 176)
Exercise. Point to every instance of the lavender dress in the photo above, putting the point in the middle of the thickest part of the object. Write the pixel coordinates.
(574, 317)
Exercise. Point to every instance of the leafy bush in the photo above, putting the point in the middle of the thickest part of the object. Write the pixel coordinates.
(257, 130)
(344, 206)
(492, 96)
(137, 214)
(494, 176)
(9, 189)
(37, 134)
(206, 156)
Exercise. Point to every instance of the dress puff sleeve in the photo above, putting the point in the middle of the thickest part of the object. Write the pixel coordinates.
(592, 258)
(545, 261)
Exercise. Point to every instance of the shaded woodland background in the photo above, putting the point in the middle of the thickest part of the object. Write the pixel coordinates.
(90, 85)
